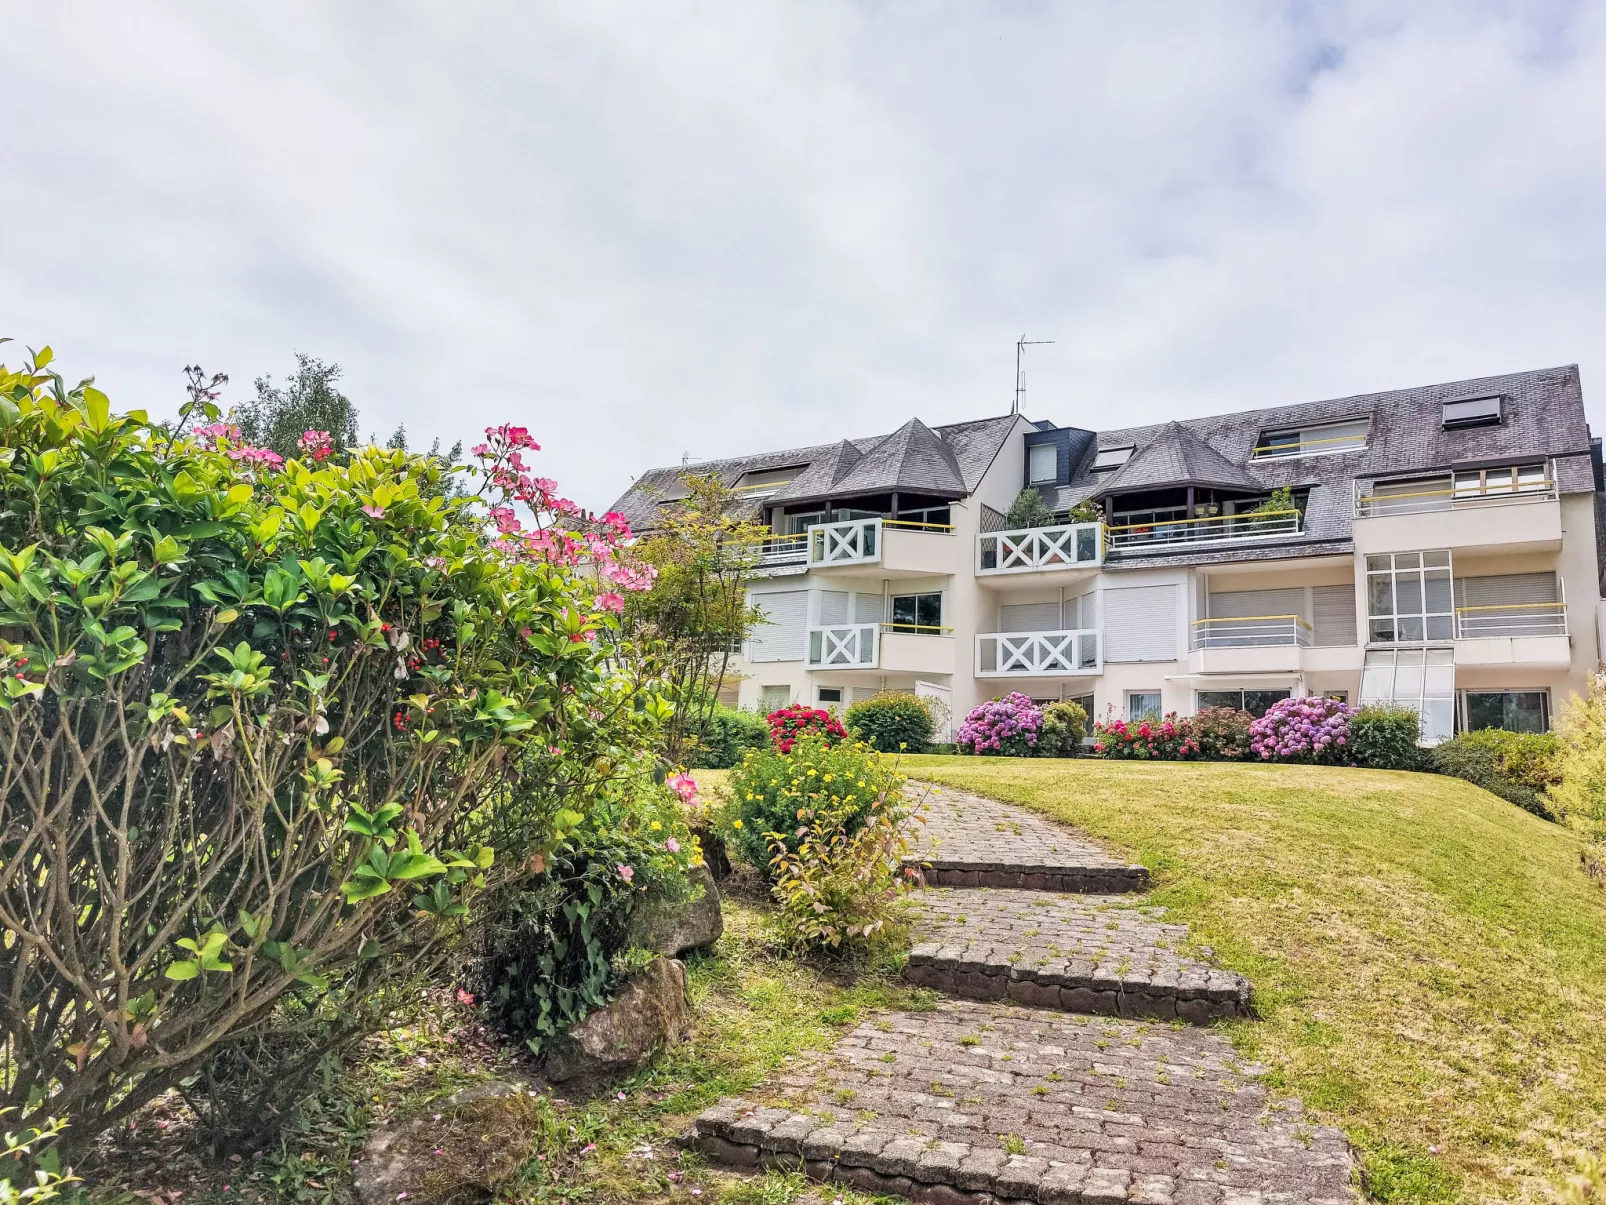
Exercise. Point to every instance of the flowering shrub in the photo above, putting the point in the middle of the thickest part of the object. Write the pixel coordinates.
(790, 723)
(1307, 729)
(1222, 733)
(1064, 726)
(1006, 727)
(1166, 739)
(319, 693)
(771, 790)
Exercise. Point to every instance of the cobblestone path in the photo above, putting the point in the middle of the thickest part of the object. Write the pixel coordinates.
(1050, 1093)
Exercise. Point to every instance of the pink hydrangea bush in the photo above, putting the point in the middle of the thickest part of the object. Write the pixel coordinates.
(1303, 730)
(1006, 727)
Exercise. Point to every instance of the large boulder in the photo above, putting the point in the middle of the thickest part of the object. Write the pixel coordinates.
(678, 928)
(620, 1037)
(482, 1136)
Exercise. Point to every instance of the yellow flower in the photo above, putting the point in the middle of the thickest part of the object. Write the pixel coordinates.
(813, 772)
(861, 782)
(736, 824)
(750, 795)
(655, 826)
(827, 778)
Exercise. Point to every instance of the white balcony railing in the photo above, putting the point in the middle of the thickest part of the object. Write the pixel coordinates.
(1035, 549)
(1251, 631)
(1512, 619)
(1039, 654)
(1191, 533)
(775, 551)
(853, 542)
(1411, 502)
(845, 646)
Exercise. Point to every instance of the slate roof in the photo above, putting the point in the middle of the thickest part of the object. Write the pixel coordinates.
(1176, 456)
(949, 460)
(1543, 417)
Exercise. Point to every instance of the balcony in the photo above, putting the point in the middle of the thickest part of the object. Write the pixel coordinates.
(1518, 519)
(1526, 634)
(779, 552)
(1039, 654)
(1249, 645)
(1040, 549)
(888, 647)
(875, 547)
(1181, 535)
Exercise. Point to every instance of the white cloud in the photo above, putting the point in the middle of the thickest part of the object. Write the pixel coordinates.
(642, 229)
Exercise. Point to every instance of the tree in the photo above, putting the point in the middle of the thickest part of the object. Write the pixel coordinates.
(308, 401)
(697, 612)
(1029, 510)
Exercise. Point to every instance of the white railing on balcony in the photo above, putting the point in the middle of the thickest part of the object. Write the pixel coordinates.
(1511, 619)
(1039, 654)
(1251, 631)
(844, 646)
(1411, 502)
(1216, 529)
(1035, 549)
(853, 542)
(781, 550)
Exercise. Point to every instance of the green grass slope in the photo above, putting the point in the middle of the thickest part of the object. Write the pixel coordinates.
(1429, 962)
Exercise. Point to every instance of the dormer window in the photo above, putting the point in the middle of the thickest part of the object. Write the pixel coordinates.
(759, 482)
(1317, 440)
(1042, 464)
(1472, 412)
(1112, 458)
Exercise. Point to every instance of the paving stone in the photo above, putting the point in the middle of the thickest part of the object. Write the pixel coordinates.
(970, 841)
(1066, 951)
(1040, 1106)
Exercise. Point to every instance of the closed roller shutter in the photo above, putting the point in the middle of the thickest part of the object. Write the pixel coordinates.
(1243, 604)
(1140, 624)
(1029, 617)
(1335, 615)
(867, 608)
(833, 607)
(1081, 612)
(780, 636)
(1509, 604)
(1506, 590)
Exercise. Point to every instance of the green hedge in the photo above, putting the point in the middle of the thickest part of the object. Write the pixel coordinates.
(891, 723)
(1384, 738)
(1516, 766)
(728, 737)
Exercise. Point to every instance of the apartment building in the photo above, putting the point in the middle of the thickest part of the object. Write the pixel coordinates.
(1437, 547)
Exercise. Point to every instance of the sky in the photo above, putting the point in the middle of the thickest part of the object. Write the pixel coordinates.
(658, 229)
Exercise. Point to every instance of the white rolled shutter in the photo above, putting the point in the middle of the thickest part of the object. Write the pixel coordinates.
(833, 607)
(1506, 590)
(1140, 624)
(1246, 604)
(780, 636)
(1029, 617)
(1335, 615)
(867, 608)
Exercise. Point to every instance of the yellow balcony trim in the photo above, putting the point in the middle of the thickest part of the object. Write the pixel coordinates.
(1242, 517)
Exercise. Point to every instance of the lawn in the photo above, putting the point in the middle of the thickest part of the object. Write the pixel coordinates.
(1429, 962)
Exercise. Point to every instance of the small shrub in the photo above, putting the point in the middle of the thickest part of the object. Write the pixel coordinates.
(1064, 726)
(1307, 729)
(728, 737)
(1167, 739)
(1383, 737)
(1006, 727)
(1518, 767)
(1579, 799)
(31, 1172)
(770, 790)
(890, 722)
(1029, 510)
(838, 876)
(790, 723)
(1222, 733)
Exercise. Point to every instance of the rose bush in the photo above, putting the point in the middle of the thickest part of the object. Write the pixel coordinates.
(1307, 729)
(1006, 727)
(1165, 739)
(788, 724)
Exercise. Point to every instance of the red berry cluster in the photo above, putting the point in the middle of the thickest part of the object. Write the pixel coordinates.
(400, 721)
(423, 650)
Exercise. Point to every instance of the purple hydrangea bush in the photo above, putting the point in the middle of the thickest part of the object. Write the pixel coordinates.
(1006, 727)
(1303, 730)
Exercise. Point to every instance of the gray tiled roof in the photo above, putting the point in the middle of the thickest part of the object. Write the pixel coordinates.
(949, 460)
(1543, 417)
(1176, 456)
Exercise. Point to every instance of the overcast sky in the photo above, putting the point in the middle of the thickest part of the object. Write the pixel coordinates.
(655, 228)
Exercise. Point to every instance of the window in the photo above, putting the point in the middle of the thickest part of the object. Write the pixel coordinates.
(1142, 705)
(1513, 710)
(1255, 702)
(920, 613)
(830, 694)
(796, 525)
(1472, 412)
(1111, 458)
(773, 698)
(1042, 463)
(939, 516)
(1409, 598)
(759, 482)
(1509, 479)
(1421, 679)
(1318, 440)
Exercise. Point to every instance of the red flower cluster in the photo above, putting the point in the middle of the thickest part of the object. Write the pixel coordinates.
(789, 723)
(1169, 739)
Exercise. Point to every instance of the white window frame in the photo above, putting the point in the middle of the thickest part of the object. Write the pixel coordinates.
(1159, 705)
(1518, 479)
(1314, 440)
(1473, 412)
(1393, 573)
(1035, 454)
(1101, 464)
(823, 701)
(1421, 659)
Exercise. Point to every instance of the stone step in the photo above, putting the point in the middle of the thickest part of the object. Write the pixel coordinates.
(969, 841)
(975, 1104)
(1076, 953)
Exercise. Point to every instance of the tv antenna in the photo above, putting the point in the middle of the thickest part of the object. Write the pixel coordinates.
(1021, 345)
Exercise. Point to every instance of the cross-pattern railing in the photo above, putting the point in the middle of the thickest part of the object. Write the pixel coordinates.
(1039, 654)
(1034, 549)
(1251, 631)
(1511, 619)
(1215, 529)
(853, 542)
(844, 646)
